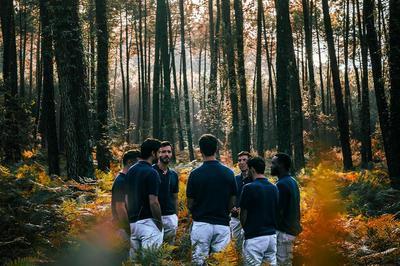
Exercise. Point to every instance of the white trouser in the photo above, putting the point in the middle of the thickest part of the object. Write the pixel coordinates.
(144, 234)
(207, 238)
(284, 253)
(237, 231)
(259, 249)
(170, 223)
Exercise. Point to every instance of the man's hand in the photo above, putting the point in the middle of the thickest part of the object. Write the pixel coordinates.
(159, 224)
(156, 211)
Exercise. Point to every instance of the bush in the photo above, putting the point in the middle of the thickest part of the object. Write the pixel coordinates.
(16, 130)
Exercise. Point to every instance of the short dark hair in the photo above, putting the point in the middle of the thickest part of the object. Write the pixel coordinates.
(244, 153)
(258, 164)
(284, 159)
(165, 143)
(131, 155)
(148, 146)
(208, 144)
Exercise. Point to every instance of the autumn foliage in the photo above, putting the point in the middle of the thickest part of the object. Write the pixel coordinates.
(337, 226)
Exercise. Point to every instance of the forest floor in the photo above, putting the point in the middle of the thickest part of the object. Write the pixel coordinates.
(347, 218)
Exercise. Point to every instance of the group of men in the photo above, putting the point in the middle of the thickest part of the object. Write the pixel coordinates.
(263, 218)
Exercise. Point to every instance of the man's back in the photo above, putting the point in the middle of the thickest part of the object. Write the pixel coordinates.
(117, 193)
(260, 199)
(289, 206)
(211, 187)
(141, 181)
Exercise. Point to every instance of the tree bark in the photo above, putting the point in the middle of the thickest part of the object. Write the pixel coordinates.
(244, 110)
(366, 150)
(260, 109)
(48, 107)
(10, 76)
(376, 63)
(185, 82)
(282, 77)
(341, 116)
(394, 68)
(307, 17)
(228, 47)
(102, 147)
(69, 58)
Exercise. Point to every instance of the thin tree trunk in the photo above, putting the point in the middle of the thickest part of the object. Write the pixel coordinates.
(244, 117)
(122, 68)
(176, 94)
(376, 63)
(22, 48)
(38, 78)
(140, 87)
(185, 83)
(347, 97)
(102, 147)
(394, 70)
(366, 150)
(282, 75)
(342, 118)
(321, 80)
(48, 107)
(228, 47)
(31, 68)
(156, 76)
(260, 109)
(307, 17)
(127, 99)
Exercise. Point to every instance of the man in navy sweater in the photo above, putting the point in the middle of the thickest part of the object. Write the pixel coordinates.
(142, 186)
(241, 179)
(168, 194)
(118, 193)
(258, 207)
(288, 222)
(211, 193)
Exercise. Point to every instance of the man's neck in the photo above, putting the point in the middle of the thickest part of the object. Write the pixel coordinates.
(125, 169)
(245, 174)
(209, 158)
(257, 176)
(283, 174)
(149, 160)
(162, 166)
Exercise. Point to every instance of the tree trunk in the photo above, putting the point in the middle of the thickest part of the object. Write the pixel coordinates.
(376, 63)
(10, 77)
(342, 118)
(167, 121)
(177, 111)
(127, 98)
(228, 47)
(69, 58)
(347, 96)
(282, 75)
(185, 82)
(156, 75)
(48, 107)
(366, 150)
(122, 66)
(244, 110)
(394, 68)
(31, 68)
(260, 109)
(102, 147)
(22, 47)
(307, 17)
(321, 80)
